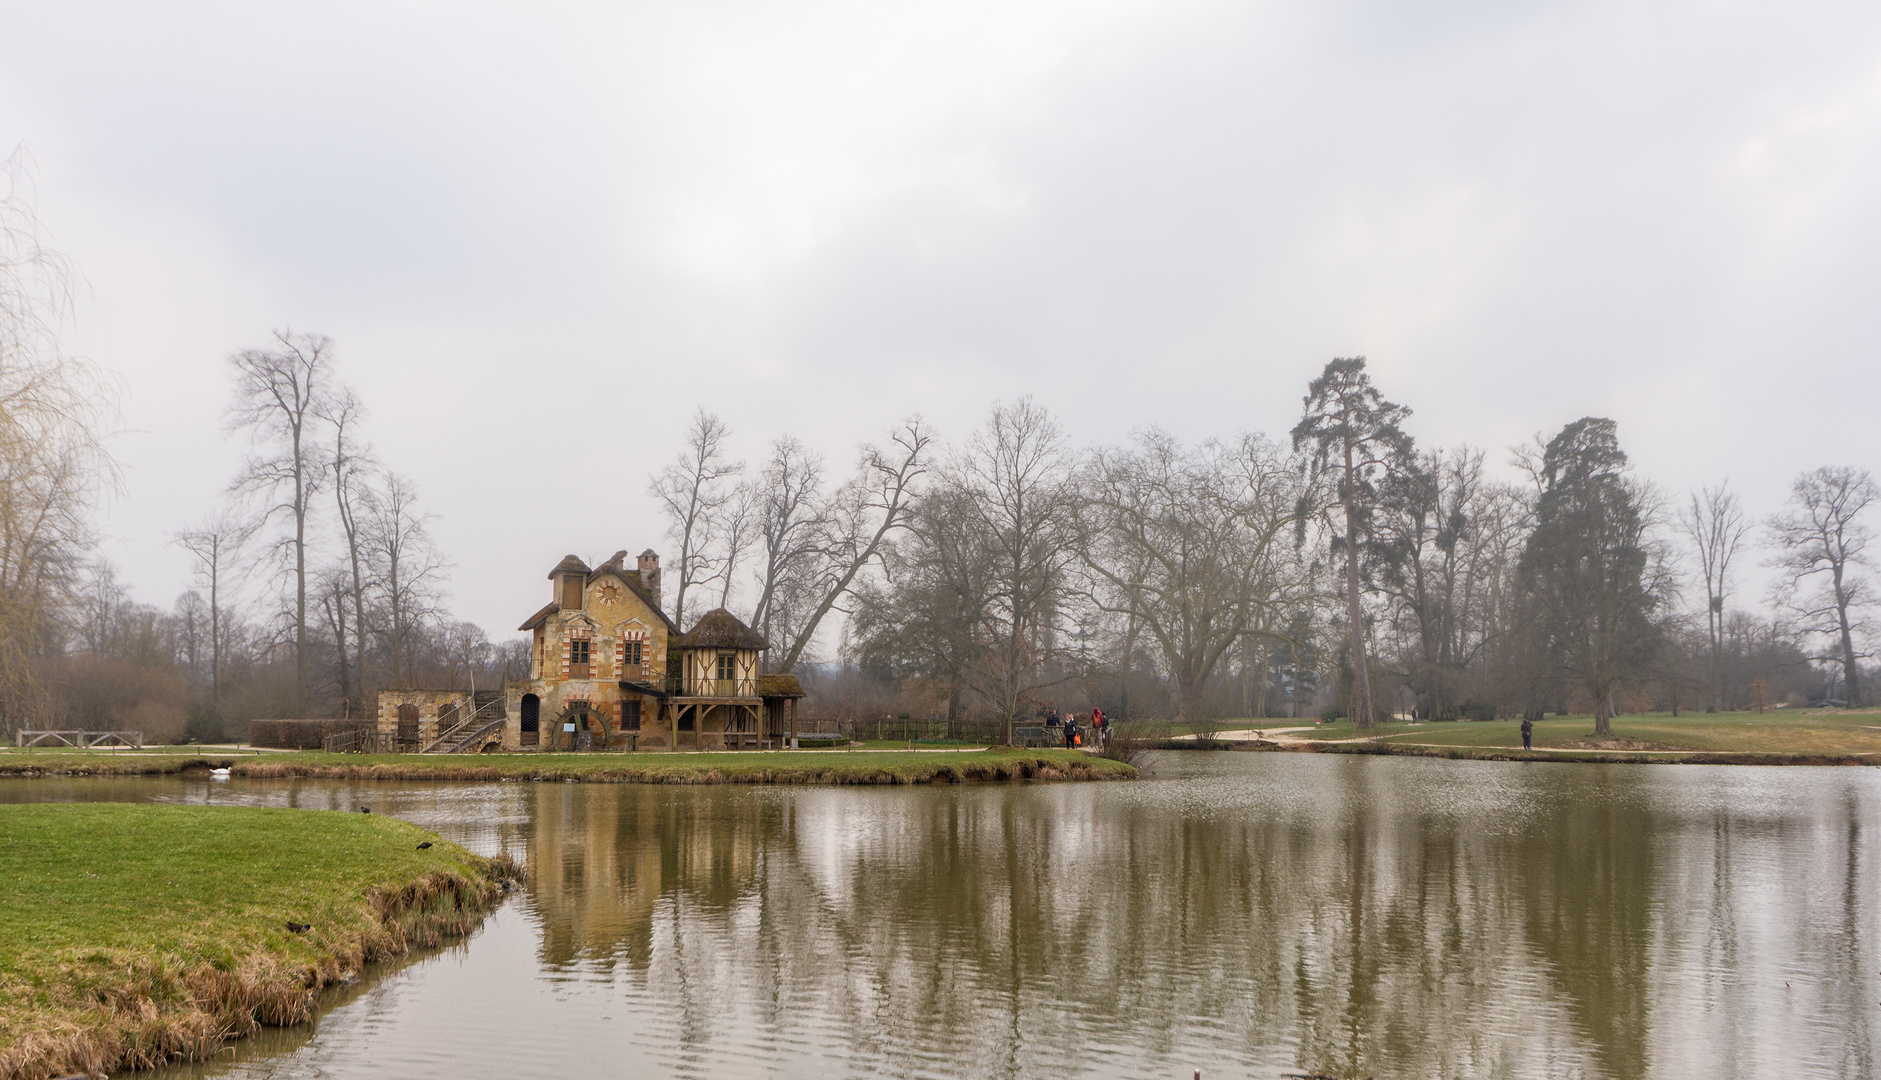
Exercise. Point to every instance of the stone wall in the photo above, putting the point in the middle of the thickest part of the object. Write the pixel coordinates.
(430, 705)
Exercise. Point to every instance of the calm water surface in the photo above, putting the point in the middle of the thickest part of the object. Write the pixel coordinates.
(1242, 914)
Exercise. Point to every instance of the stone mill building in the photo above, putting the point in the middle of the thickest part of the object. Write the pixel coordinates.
(608, 670)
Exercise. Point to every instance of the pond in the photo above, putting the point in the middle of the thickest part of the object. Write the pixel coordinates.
(1241, 914)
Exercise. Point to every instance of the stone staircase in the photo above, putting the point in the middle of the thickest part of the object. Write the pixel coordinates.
(487, 717)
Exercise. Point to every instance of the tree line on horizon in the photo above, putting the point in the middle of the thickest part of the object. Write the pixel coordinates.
(315, 582)
(1343, 569)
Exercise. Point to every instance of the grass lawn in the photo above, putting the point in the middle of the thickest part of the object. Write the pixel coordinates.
(132, 934)
(1778, 732)
(878, 766)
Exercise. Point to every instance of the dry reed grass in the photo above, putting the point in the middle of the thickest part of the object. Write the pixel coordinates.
(130, 1019)
(804, 770)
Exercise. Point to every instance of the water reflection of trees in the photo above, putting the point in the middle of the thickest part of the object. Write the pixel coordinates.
(1577, 927)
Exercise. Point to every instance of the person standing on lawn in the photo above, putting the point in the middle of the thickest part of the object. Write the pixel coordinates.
(1528, 733)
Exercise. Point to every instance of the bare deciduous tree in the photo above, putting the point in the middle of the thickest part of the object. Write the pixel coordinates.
(1822, 541)
(53, 411)
(216, 545)
(1193, 548)
(279, 393)
(352, 468)
(865, 513)
(407, 571)
(792, 532)
(691, 492)
(927, 619)
(1016, 473)
(1716, 526)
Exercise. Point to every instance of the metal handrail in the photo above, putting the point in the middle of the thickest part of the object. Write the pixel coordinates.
(459, 729)
(464, 743)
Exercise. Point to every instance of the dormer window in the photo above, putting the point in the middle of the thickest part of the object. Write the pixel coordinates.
(571, 593)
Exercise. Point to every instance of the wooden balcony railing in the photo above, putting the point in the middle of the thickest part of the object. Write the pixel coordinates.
(679, 686)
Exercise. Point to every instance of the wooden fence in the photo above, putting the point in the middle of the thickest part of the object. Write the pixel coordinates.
(361, 741)
(983, 732)
(79, 739)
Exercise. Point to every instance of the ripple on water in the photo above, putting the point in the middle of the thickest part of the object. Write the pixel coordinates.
(1243, 914)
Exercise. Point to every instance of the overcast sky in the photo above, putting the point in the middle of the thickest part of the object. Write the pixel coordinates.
(541, 235)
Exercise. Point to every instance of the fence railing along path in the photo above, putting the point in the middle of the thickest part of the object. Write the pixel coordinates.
(81, 740)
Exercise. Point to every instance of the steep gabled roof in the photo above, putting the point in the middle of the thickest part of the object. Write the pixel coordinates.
(633, 582)
(614, 565)
(720, 629)
(539, 617)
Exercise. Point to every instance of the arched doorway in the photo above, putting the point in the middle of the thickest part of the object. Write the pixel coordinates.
(579, 727)
(531, 720)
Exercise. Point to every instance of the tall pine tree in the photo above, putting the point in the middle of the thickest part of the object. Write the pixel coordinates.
(1355, 436)
(1585, 565)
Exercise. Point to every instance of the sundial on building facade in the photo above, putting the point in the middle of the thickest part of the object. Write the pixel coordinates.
(610, 593)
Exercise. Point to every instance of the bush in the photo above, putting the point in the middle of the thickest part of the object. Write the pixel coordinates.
(1332, 712)
(1477, 710)
(1131, 743)
(204, 725)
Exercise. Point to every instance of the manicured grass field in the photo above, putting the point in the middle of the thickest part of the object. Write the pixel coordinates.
(761, 767)
(130, 934)
(1777, 732)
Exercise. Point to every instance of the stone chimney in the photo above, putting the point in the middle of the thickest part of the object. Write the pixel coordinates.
(650, 574)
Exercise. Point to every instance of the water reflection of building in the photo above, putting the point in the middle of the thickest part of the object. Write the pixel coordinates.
(1357, 920)
(604, 857)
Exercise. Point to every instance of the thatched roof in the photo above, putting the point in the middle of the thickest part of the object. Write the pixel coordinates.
(569, 565)
(779, 686)
(720, 629)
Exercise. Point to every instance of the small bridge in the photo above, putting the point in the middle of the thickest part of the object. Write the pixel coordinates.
(80, 740)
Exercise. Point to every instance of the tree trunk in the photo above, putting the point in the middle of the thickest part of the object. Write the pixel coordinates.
(300, 601)
(215, 627)
(1362, 717)
(1851, 668)
(1603, 712)
(1188, 698)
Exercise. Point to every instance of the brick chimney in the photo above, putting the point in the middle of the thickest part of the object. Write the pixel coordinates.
(650, 574)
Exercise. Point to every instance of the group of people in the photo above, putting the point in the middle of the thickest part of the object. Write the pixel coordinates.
(1068, 725)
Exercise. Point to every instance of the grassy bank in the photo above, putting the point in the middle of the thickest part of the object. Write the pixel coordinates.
(772, 767)
(1778, 737)
(132, 935)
